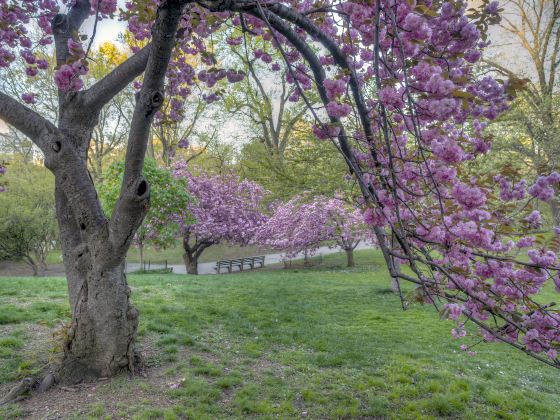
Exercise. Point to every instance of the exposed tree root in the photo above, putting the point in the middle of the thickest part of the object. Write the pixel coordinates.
(17, 392)
(40, 384)
(28, 385)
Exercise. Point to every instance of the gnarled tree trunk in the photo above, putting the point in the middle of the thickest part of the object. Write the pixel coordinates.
(103, 329)
(101, 334)
(193, 251)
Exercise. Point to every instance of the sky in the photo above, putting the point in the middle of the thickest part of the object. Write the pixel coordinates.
(107, 30)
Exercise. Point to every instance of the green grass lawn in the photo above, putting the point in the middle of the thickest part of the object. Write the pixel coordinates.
(321, 342)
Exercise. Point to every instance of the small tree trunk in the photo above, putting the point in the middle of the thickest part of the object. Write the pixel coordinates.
(191, 262)
(350, 257)
(42, 263)
(141, 252)
(394, 285)
(33, 266)
(305, 257)
(555, 210)
(151, 149)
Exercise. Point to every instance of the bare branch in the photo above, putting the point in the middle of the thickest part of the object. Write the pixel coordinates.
(30, 123)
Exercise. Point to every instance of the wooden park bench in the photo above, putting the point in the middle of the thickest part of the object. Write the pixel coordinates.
(240, 263)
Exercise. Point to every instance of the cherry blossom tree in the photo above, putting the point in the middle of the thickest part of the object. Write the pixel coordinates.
(399, 98)
(225, 209)
(302, 226)
(295, 227)
(346, 227)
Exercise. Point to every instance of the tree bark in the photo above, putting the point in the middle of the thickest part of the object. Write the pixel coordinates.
(100, 337)
(350, 257)
(395, 285)
(33, 265)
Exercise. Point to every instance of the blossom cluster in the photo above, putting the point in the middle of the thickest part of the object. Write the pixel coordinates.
(224, 208)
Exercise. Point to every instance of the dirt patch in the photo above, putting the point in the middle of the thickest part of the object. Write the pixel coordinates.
(113, 398)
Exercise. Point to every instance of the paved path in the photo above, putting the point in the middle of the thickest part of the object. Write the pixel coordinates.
(208, 268)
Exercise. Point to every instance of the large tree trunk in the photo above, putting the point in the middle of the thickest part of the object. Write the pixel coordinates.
(191, 262)
(103, 329)
(350, 257)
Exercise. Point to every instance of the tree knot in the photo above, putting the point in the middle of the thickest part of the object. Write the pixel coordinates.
(157, 99)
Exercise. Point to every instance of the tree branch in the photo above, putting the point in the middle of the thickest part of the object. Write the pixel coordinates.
(30, 123)
(65, 25)
(135, 193)
(104, 90)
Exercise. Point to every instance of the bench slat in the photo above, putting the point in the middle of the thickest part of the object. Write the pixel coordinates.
(240, 262)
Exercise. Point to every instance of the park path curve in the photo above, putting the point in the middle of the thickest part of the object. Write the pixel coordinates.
(208, 268)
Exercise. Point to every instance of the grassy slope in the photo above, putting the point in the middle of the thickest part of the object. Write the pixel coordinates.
(321, 342)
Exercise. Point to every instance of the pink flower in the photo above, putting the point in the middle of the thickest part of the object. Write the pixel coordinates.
(29, 98)
(338, 110)
(334, 88)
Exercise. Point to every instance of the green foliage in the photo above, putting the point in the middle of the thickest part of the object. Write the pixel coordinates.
(309, 165)
(28, 227)
(168, 196)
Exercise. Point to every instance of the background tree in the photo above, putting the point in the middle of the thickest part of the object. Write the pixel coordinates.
(296, 227)
(532, 128)
(302, 225)
(169, 196)
(309, 165)
(109, 135)
(225, 209)
(346, 226)
(28, 228)
(265, 99)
